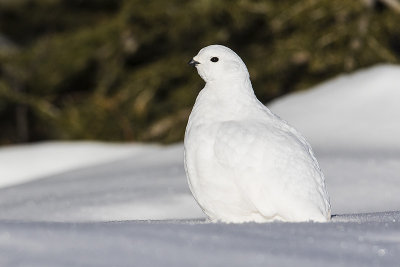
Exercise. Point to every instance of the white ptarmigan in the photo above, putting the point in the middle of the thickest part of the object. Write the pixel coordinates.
(243, 163)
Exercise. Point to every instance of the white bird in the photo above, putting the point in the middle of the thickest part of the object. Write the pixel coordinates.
(244, 163)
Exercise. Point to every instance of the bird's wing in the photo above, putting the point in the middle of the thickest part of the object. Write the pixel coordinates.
(273, 166)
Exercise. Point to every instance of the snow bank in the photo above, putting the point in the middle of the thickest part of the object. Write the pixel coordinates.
(149, 184)
(27, 162)
(353, 125)
(354, 111)
(361, 182)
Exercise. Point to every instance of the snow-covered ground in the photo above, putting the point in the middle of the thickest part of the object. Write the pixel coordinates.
(353, 124)
(359, 112)
(28, 162)
(74, 204)
(180, 243)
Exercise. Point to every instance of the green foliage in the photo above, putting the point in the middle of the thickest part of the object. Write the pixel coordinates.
(116, 70)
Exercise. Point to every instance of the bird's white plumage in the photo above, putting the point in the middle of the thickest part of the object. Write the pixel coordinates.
(243, 163)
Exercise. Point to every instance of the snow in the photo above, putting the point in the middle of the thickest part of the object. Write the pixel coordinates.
(359, 111)
(352, 123)
(43, 159)
(179, 243)
(361, 182)
(149, 185)
(88, 204)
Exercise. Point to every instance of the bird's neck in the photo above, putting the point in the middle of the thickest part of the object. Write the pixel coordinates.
(224, 101)
(226, 90)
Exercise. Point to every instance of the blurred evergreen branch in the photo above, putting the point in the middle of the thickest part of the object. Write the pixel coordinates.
(37, 105)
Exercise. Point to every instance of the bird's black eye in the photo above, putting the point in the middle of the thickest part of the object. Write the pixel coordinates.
(214, 59)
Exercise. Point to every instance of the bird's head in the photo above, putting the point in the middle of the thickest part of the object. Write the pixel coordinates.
(219, 63)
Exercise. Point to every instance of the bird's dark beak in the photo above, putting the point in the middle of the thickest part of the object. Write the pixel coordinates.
(193, 62)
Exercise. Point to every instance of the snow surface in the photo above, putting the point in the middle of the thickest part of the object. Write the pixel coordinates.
(73, 204)
(353, 125)
(149, 185)
(182, 243)
(360, 111)
(27, 162)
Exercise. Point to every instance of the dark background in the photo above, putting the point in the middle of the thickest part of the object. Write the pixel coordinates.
(116, 70)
